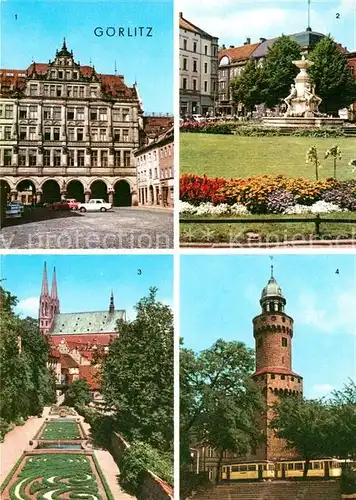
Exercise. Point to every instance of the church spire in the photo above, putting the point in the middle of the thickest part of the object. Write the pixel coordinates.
(54, 294)
(44, 290)
(112, 305)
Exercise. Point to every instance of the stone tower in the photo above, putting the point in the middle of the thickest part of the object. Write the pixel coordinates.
(273, 333)
(49, 304)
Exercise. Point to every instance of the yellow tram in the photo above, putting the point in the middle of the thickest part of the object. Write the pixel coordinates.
(286, 469)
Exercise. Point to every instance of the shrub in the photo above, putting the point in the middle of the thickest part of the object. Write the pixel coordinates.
(19, 421)
(348, 479)
(139, 458)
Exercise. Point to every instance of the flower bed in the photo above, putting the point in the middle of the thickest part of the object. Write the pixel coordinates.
(264, 194)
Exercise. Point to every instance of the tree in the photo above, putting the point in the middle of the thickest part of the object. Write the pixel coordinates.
(247, 87)
(302, 423)
(279, 71)
(332, 76)
(137, 374)
(342, 435)
(220, 404)
(78, 393)
(26, 382)
(335, 153)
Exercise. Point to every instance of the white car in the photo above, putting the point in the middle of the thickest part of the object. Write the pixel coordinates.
(198, 118)
(95, 205)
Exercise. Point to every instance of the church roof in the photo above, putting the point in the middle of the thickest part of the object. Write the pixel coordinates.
(86, 322)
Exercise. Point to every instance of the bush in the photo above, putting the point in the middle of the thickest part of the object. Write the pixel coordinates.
(348, 479)
(136, 460)
(190, 483)
(343, 195)
(78, 393)
(19, 421)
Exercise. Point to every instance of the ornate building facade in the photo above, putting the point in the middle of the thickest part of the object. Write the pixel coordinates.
(76, 338)
(273, 334)
(68, 131)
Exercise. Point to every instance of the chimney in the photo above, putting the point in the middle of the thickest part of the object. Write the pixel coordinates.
(262, 40)
(223, 47)
(248, 41)
(232, 46)
(181, 15)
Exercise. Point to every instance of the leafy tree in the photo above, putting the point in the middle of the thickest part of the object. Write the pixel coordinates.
(279, 71)
(138, 374)
(78, 393)
(302, 423)
(26, 382)
(332, 76)
(248, 86)
(341, 440)
(335, 154)
(220, 403)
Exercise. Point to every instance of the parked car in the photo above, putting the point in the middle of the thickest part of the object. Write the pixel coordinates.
(198, 118)
(70, 204)
(94, 205)
(14, 209)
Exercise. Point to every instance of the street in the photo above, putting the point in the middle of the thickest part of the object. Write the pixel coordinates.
(119, 228)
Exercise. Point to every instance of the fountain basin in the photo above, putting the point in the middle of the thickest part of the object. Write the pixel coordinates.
(301, 122)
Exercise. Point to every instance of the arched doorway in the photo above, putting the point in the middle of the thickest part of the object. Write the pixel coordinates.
(122, 194)
(26, 192)
(51, 191)
(75, 189)
(99, 190)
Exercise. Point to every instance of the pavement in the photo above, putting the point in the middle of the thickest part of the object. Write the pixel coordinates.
(128, 228)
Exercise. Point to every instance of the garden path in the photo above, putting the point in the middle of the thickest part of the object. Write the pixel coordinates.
(16, 441)
(110, 470)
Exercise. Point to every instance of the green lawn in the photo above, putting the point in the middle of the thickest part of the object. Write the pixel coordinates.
(235, 233)
(53, 431)
(234, 156)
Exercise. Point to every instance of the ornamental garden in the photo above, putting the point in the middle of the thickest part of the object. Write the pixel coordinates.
(56, 474)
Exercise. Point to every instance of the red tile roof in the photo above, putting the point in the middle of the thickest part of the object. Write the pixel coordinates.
(67, 361)
(111, 84)
(92, 375)
(238, 53)
(272, 369)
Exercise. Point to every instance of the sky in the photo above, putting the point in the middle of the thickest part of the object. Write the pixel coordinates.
(235, 20)
(35, 30)
(220, 296)
(84, 282)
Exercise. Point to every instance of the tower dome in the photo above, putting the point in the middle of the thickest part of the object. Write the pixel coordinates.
(272, 298)
(272, 289)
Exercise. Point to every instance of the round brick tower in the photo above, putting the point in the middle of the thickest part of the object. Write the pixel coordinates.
(273, 333)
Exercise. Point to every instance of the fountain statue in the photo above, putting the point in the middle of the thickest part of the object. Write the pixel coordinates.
(302, 100)
(302, 104)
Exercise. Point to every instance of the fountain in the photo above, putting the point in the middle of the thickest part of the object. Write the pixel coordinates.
(302, 104)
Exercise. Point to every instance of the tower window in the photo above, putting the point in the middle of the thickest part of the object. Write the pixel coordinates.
(284, 342)
(292, 379)
(283, 377)
(273, 376)
(259, 342)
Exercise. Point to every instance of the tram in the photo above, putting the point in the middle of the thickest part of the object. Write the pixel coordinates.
(284, 469)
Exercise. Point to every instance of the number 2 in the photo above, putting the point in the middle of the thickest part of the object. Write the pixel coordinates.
(337, 15)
